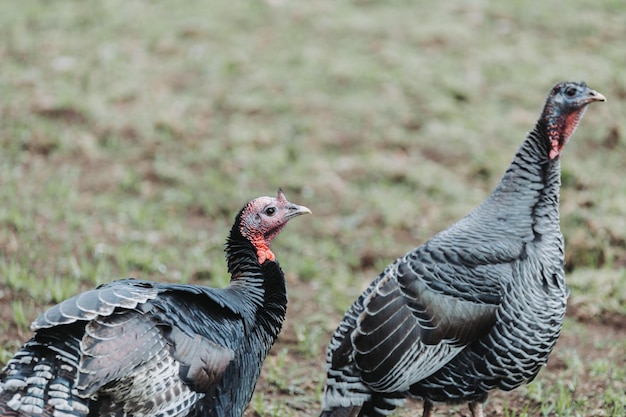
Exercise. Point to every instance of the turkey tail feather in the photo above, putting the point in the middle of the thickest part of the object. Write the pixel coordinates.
(39, 379)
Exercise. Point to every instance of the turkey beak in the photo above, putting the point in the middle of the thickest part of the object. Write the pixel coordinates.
(294, 210)
(593, 95)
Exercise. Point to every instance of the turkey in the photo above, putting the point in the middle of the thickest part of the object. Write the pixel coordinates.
(479, 306)
(140, 348)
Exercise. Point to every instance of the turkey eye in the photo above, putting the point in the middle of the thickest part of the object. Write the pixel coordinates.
(270, 211)
(570, 92)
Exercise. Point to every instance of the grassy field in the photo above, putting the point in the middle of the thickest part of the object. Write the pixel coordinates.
(131, 132)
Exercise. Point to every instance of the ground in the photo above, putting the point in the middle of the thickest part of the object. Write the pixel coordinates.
(131, 132)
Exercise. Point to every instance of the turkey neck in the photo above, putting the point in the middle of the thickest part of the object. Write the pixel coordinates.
(258, 290)
(527, 197)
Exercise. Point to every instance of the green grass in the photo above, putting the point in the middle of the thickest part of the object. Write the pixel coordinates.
(131, 132)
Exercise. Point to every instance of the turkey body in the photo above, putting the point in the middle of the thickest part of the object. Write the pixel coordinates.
(140, 348)
(479, 306)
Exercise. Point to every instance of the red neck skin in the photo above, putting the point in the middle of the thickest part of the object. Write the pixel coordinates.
(261, 240)
(263, 251)
(560, 130)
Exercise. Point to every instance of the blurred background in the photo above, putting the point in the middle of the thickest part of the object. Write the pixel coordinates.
(132, 132)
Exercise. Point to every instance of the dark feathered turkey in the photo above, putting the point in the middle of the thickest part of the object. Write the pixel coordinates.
(479, 306)
(139, 348)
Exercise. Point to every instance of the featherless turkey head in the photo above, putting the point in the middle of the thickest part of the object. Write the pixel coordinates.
(263, 218)
(564, 108)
